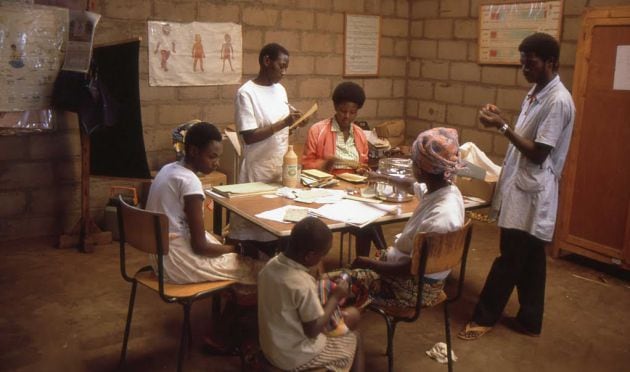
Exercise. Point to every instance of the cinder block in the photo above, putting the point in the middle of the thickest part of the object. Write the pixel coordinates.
(198, 93)
(473, 51)
(412, 108)
(177, 114)
(566, 75)
(394, 27)
(250, 63)
(438, 28)
(425, 9)
(393, 67)
(510, 99)
(329, 66)
(369, 109)
(403, 8)
(152, 94)
(218, 12)
(415, 127)
(383, 7)
(14, 203)
(454, 8)
(348, 6)
(465, 71)
(498, 75)
(313, 4)
(25, 175)
(297, 19)
(252, 40)
(417, 28)
(222, 113)
(329, 22)
(475, 95)
(420, 89)
(14, 147)
(462, 115)
(451, 93)
(453, 50)
(391, 108)
(228, 92)
(398, 89)
(386, 46)
(55, 146)
(425, 49)
(466, 29)
(55, 201)
(401, 48)
(316, 42)
(302, 65)
(414, 69)
(571, 27)
(67, 171)
(483, 140)
(378, 88)
(432, 111)
(315, 88)
(255, 16)
(140, 9)
(182, 12)
(435, 70)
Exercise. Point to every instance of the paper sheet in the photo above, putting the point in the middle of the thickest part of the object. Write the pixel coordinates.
(277, 214)
(622, 68)
(354, 212)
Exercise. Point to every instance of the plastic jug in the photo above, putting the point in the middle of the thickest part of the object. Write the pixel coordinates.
(290, 168)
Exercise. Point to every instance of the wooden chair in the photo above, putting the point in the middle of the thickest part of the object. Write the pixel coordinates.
(148, 232)
(432, 253)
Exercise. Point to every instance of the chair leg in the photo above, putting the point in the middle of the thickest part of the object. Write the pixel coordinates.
(184, 337)
(447, 327)
(132, 298)
(391, 328)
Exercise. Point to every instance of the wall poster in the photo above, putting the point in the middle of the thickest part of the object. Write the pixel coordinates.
(502, 27)
(362, 34)
(194, 53)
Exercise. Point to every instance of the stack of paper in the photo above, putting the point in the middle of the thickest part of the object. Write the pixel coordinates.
(354, 212)
(244, 189)
(317, 178)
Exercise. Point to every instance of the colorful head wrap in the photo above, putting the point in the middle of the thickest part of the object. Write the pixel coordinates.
(436, 151)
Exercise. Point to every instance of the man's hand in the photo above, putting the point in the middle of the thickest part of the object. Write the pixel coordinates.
(490, 116)
(341, 290)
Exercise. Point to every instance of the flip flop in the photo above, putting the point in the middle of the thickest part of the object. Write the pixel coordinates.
(473, 331)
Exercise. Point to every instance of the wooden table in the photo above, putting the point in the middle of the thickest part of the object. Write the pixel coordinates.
(249, 206)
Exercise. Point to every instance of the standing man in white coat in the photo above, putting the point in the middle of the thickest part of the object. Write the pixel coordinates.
(527, 193)
(263, 116)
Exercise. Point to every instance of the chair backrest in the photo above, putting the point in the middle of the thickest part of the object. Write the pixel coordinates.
(144, 230)
(445, 251)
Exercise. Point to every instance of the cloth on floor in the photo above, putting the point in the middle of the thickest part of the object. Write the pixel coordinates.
(439, 353)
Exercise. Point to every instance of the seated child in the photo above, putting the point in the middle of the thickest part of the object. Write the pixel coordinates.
(291, 319)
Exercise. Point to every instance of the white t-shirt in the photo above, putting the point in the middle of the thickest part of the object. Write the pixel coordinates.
(287, 297)
(527, 193)
(182, 265)
(439, 212)
(259, 106)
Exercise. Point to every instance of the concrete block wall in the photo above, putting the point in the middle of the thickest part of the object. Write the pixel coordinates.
(429, 75)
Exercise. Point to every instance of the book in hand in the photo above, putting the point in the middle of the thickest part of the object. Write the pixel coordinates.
(305, 116)
(244, 189)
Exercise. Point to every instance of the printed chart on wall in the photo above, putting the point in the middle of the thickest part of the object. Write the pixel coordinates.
(32, 45)
(194, 53)
(502, 27)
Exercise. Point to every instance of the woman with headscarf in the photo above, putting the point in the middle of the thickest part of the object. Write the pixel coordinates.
(435, 155)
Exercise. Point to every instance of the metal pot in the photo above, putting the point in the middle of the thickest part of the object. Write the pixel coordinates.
(394, 167)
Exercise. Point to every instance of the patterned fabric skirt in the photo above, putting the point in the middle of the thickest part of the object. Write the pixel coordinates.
(338, 354)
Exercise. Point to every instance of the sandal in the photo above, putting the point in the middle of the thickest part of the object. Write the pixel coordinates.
(473, 331)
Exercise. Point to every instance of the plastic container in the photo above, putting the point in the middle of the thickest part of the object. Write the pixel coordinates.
(290, 174)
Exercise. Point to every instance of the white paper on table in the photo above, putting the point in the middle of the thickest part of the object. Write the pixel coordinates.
(320, 196)
(354, 212)
(277, 214)
(621, 80)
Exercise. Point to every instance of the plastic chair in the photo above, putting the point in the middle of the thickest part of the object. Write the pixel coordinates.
(148, 232)
(432, 253)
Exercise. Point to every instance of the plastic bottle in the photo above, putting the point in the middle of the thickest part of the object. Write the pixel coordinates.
(290, 168)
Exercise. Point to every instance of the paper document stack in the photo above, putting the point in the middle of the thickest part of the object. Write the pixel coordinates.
(244, 189)
(354, 212)
(317, 178)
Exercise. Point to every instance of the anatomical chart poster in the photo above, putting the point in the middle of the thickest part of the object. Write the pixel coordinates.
(196, 53)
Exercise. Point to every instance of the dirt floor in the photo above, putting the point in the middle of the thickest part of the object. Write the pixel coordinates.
(65, 311)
